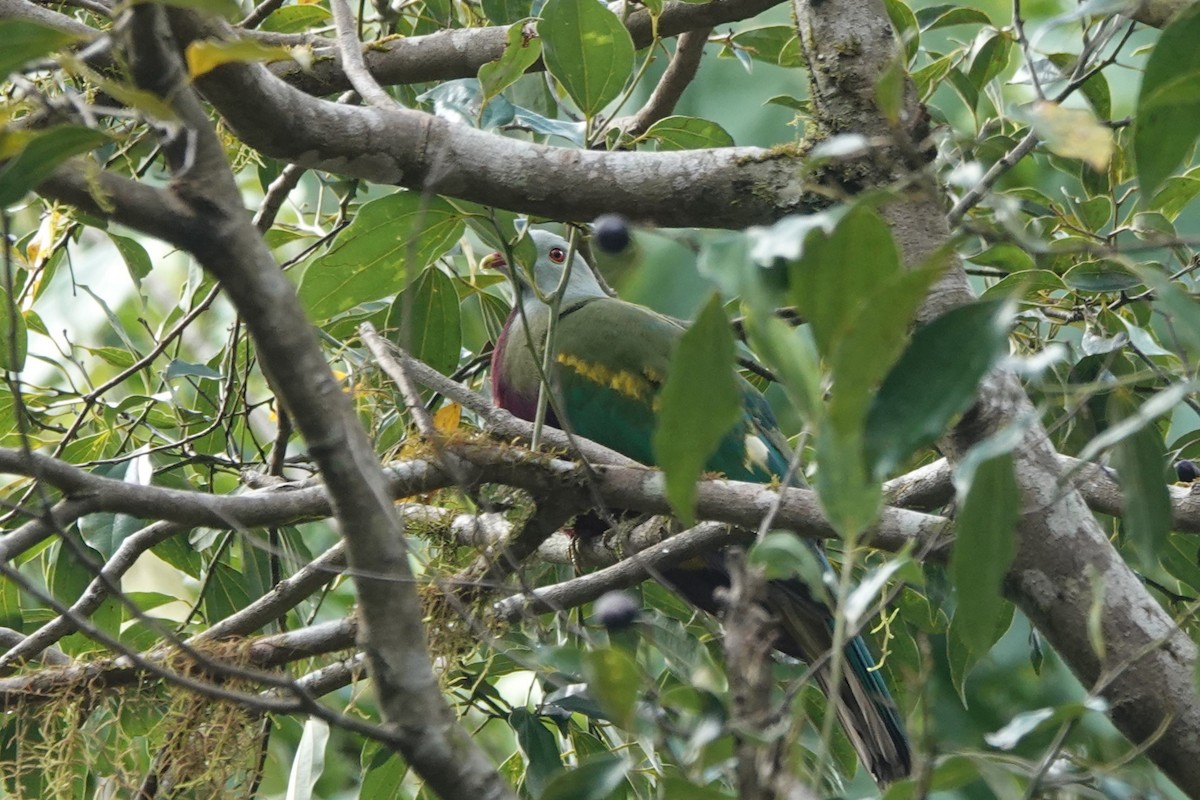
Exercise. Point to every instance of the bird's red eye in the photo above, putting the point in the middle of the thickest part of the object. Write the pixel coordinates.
(558, 255)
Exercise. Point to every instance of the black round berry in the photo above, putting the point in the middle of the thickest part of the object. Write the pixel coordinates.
(616, 610)
(1187, 471)
(610, 232)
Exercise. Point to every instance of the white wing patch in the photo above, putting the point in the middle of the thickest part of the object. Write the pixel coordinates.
(756, 452)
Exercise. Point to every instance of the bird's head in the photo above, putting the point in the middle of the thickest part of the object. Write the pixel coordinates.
(552, 253)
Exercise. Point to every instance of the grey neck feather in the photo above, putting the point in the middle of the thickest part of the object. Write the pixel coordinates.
(581, 285)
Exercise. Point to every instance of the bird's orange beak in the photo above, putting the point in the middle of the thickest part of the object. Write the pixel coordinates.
(494, 261)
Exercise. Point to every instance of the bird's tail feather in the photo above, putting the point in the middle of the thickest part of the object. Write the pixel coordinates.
(864, 706)
(868, 715)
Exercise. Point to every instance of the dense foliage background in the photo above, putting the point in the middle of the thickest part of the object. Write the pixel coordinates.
(176, 607)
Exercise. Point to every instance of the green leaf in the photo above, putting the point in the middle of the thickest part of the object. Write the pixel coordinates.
(24, 41)
(1167, 119)
(984, 549)
(540, 749)
(594, 779)
(383, 771)
(837, 270)
(178, 368)
(521, 50)
(700, 403)
(296, 19)
(205, 55)
(790, 356)
(105, 532)
(934, 381)
(10, 606)
(687, 133)
(14, 336)
(947, 15)
(137, 260)
(432, 331)
(31, 157)
(588, 50)
(990, 59)
(1104, 275)
(771, 44)
(371, 258)
(309, 761)
(506, 12)
(1004, 256)
(1141, 462)
(612, 679)
(783, 554)
(905, 24)
(1179, 308)
(963, 658)
(871, 342)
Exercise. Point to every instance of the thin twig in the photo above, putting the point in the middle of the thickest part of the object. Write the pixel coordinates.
(351, 50)
(689, 49)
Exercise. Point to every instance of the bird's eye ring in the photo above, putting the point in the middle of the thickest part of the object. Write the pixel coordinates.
(558, 255)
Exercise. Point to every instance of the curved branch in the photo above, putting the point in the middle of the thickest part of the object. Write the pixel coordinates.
(460, 52)
(679, 73)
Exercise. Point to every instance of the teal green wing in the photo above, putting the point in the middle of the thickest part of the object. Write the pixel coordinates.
(611, 361)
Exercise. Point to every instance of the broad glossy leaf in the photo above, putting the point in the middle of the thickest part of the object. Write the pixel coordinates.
(540, 749)
(771, 44)
(869, 344)
(1176, 193)
(990, 57)
(783, 554)
(383, 771)
(983, 549)
(296, 19)
(1095, 88)
(106, 531)
(1100, 276)
(613, 681)
(522, 49)
(934, 381)
(206, 55)
(687, 133)
(136, 259)
(792, 358)
(588, 50)
(1141, 462)
(1024, 284)
(850, 498)
(25, 41)
(32, 156)
(1180, 309)
(594, 779)
(961, 657)
(309, 761)
(370, 258)
(700, 402)
(836, 271)
(944, 16)
(907, 30)
(10, 605)
(431, 331)
(1167, 119)
(14, 335)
